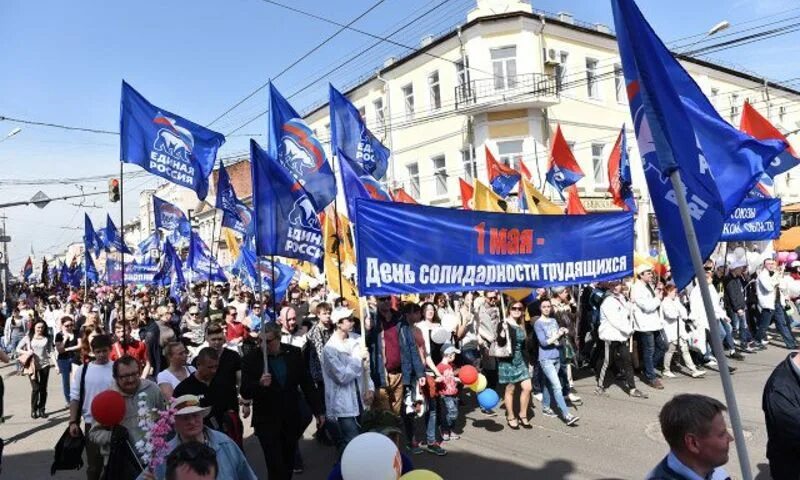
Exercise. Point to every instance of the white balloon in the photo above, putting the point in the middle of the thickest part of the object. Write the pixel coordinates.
(739, 252)
(440, 335)
(793, 288)
(371, 456)
(449, 322)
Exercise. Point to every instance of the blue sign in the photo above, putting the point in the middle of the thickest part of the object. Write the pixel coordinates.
(166, 144)
(403, 248)
(755, 219)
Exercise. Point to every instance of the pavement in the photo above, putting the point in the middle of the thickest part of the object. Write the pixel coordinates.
(618, 437)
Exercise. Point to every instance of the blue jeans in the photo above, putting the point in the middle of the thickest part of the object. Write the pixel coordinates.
(739, 323)
(65, 367)
(345, 429)
(430, 416)
(653, 349)
(11, 348)
(450, 408)
(780, 324)
(552, 388)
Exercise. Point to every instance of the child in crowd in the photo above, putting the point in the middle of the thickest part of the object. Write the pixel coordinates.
(448, 391)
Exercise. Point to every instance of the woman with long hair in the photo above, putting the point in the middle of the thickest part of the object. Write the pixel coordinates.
(68, 345)
(15, 330)
(38, 345)
(513, 370)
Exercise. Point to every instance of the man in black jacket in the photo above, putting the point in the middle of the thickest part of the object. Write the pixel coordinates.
(781, 405)
(736, 304)
(276, 399)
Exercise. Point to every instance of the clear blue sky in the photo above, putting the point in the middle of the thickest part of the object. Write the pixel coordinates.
(63, 62)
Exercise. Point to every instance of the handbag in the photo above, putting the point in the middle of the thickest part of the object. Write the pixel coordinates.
(503, 336)
(69, 449)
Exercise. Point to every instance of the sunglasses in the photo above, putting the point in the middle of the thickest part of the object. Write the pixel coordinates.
(194, 314)
(516, 309)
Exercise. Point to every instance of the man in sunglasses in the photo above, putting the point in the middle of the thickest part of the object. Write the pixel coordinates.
(489, 316)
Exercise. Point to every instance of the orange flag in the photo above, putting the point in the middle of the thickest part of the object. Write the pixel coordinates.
(466, 194)
(400, 196)
(574, 204)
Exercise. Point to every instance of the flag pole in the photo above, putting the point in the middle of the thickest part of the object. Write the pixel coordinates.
(339, 238)
(272, 281)
(126, 331)
(716, 341)
(211, 251)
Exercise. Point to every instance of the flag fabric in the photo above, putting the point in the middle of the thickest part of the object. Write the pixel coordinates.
(486, 200)
(166, 144)
(90, 271)
(677, 128)
(90, 240)
(201, 262)
(533, 201)
(102, 241)
(64, 276)
(294, 146)
(562, 168)
(113, 238)
(338, 243)
(401, 196)
(349, 134)
(285, 220)
(754, 124)
(574, 204)
(146, 246)
(359, 184)
(467, 193)
(619, 174)
(235, 214)
(171, 268)
(248, 268)
(765, 188)
(524, 170)
(171, 218)
(231, 242)
(502, 177)
(27, 269)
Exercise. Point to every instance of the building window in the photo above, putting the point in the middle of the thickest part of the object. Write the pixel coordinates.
(734, 106)
(561, 70)
(571, 146)
(598, 163)
(413, 179)
(619, 83)
(714, 94)
(379, 114)
(362, 112)
(328, 131)
(591, 78)
(440, 175)
(435, 91)
(462, 71)
(504, 67)
(408, 96)
(468, 160)
(781, 113)
(510, 153)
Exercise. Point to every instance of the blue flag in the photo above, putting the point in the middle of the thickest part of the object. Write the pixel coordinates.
(285, 220)
(293, 145)
(166, 144)
(358, 184)
(171, 268)
(172, 219)
(113, 238)
(202, 265)
(90, 240)
(678, 128)
(349, 134)
(146, 246)
(247, 267)
(89, 269)
(235, 214)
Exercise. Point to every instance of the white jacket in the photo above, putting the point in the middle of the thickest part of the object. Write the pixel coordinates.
(766, 289)
(615, 319)
(646, 317)
(342, 372)
(697, 311)
(673, 314)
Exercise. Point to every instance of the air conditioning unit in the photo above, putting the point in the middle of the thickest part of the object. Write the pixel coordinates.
(553, 57)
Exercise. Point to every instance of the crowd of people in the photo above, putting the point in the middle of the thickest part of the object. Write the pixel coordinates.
(218, 356)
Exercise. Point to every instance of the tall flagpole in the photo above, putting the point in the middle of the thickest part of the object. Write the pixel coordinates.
(126, 332)
(211, 251)
(336, 220)
(716, 341)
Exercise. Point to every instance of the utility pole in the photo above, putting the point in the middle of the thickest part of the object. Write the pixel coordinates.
(5, 239)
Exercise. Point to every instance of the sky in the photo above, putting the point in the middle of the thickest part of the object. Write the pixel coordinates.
(63, 62)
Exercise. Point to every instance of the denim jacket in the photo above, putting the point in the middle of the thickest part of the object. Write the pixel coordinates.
(411, 365)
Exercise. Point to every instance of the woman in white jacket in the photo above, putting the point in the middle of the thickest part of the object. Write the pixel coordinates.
(343, 373)
(674, 315)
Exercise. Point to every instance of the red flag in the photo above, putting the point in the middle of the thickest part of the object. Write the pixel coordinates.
(524, 170)
(466, 193)
(574, 204)
(400, 196)
(562, 168)
(502, 178)
(759, 127)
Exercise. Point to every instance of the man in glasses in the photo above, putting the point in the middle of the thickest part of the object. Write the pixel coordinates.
(489, 316)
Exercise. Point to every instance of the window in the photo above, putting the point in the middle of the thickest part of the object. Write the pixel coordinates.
(571, 146)
(714, 95)
(408, 96)
(734, 106)
(379, 114)
(413, 179)
(328, 130)
(435, 91)
(561, 71)
(462, 72)
(598, 163)
(781, 113)
(619, 83)
(510, 153)
(591, 78)
(468, 160)
(504, 67)
(362, 112)
(440, 175)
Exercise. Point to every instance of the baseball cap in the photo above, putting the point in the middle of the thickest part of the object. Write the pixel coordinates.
(449, 349)
(340, 313)
(189, 404)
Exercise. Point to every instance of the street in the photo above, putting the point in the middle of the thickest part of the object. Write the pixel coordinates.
(618, 436)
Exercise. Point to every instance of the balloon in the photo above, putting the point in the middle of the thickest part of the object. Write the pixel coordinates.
(793, 288)
(653, 252)
(371, 456)
(791, 257)
(468, 375)
(753, 261)
(739, 253)
(440, 335)
(108, 408)
(421, 475)
(480, 385)
(488, 399)
(782, 256)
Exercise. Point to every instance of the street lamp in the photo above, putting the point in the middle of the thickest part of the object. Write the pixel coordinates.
(723, 25)
(11, 134)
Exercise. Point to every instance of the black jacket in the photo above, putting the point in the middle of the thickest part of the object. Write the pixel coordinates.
(781, 405)
(734, 294)
(278, 405)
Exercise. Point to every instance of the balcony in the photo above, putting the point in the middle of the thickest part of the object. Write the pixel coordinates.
(527, 90)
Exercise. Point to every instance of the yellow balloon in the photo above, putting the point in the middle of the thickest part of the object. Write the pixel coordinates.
(479, 385)
(421, 475)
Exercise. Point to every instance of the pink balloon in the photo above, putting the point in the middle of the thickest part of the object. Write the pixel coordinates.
(791, 257)
(782, 256)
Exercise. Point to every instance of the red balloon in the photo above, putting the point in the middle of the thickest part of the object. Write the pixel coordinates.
(468, 374)
(108, 408)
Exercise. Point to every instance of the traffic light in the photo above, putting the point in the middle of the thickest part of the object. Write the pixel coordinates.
(113, 190)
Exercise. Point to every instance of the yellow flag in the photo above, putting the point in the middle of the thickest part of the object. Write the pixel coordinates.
(537, 202)
(231, 242)
(343, 242)
(486, 200)
(349, 290)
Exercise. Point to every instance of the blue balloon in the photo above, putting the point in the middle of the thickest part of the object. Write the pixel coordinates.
(653, 252)
(488, 399)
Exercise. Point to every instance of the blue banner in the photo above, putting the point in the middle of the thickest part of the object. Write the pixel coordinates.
(90, 272)
(171, 218)
(403, 248)
(90, 238)
(113, 238)
(235, 214)
(293, 145)
(349, 134)
(200, 262)
(755, 219)
(166, 144)
(248, 268)
(285, 220)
